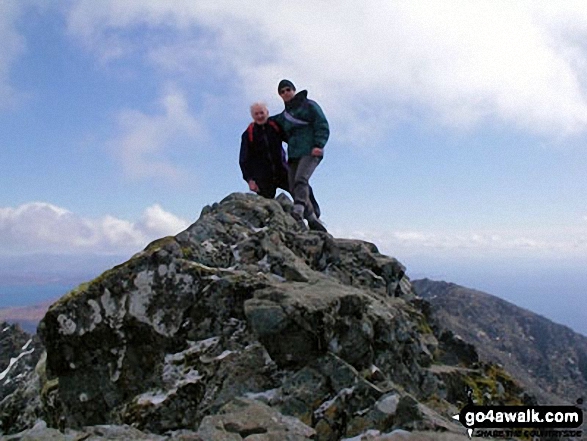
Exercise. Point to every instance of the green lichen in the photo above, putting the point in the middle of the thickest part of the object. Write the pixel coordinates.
(75, 292)
(187, 253)
(424, 327)
(486, 382)
(49, 386)
(51, 403)
(439, 405)
(160, 244)
(85, 287)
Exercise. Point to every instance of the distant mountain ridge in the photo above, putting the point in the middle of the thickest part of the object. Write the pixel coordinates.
(549, 359)
(28, 317)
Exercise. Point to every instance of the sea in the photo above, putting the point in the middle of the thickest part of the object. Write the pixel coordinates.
(27, 295)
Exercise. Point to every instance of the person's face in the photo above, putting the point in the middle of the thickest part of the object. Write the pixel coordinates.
(260, 114)
(286, 93)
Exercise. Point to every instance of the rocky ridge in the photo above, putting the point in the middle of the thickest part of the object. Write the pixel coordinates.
(549, 359)
(247, 326)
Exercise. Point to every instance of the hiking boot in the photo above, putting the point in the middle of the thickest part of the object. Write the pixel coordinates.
(316, 225)
(298, 212)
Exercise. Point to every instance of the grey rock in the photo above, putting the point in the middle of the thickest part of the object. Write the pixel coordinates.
(122, 433)
(39, 431)
(251, 420)
(247, 326)
(20, 379)
(388, 404)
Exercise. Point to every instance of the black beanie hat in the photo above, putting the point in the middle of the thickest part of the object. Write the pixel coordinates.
(285, 83)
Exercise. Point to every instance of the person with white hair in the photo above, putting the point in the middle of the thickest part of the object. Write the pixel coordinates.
(262, 158)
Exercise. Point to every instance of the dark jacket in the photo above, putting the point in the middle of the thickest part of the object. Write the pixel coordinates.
(263, 159)
(304, 124)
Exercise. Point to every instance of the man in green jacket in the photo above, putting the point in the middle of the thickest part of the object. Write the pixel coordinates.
(306, 132)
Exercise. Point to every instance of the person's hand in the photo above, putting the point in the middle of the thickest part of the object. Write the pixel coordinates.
(317, 151)
(253, 186)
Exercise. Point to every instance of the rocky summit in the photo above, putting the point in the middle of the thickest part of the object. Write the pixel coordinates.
(247, 326)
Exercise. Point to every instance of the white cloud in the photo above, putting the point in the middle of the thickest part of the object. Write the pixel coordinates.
(11, 47)
(158, 222)
(39, 227)
(507, 244)
(457, 63)
(147, 141)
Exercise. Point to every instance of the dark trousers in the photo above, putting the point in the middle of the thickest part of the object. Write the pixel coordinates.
(300, 171)
(268, 190)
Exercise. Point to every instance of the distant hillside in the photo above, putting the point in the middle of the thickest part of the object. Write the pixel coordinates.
(28, 317)
(548, 358)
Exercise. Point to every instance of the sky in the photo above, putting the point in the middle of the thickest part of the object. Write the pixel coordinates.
(458, 131)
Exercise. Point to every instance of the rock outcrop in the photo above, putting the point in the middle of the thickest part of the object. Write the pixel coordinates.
(19, 380)
(548, 359)
(247, 326)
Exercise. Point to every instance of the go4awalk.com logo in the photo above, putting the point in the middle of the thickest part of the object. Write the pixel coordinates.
(521, 420)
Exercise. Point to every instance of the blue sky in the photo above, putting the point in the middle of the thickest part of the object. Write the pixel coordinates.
(457, 142)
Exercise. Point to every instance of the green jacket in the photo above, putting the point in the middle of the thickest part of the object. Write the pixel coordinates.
(304, 125)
